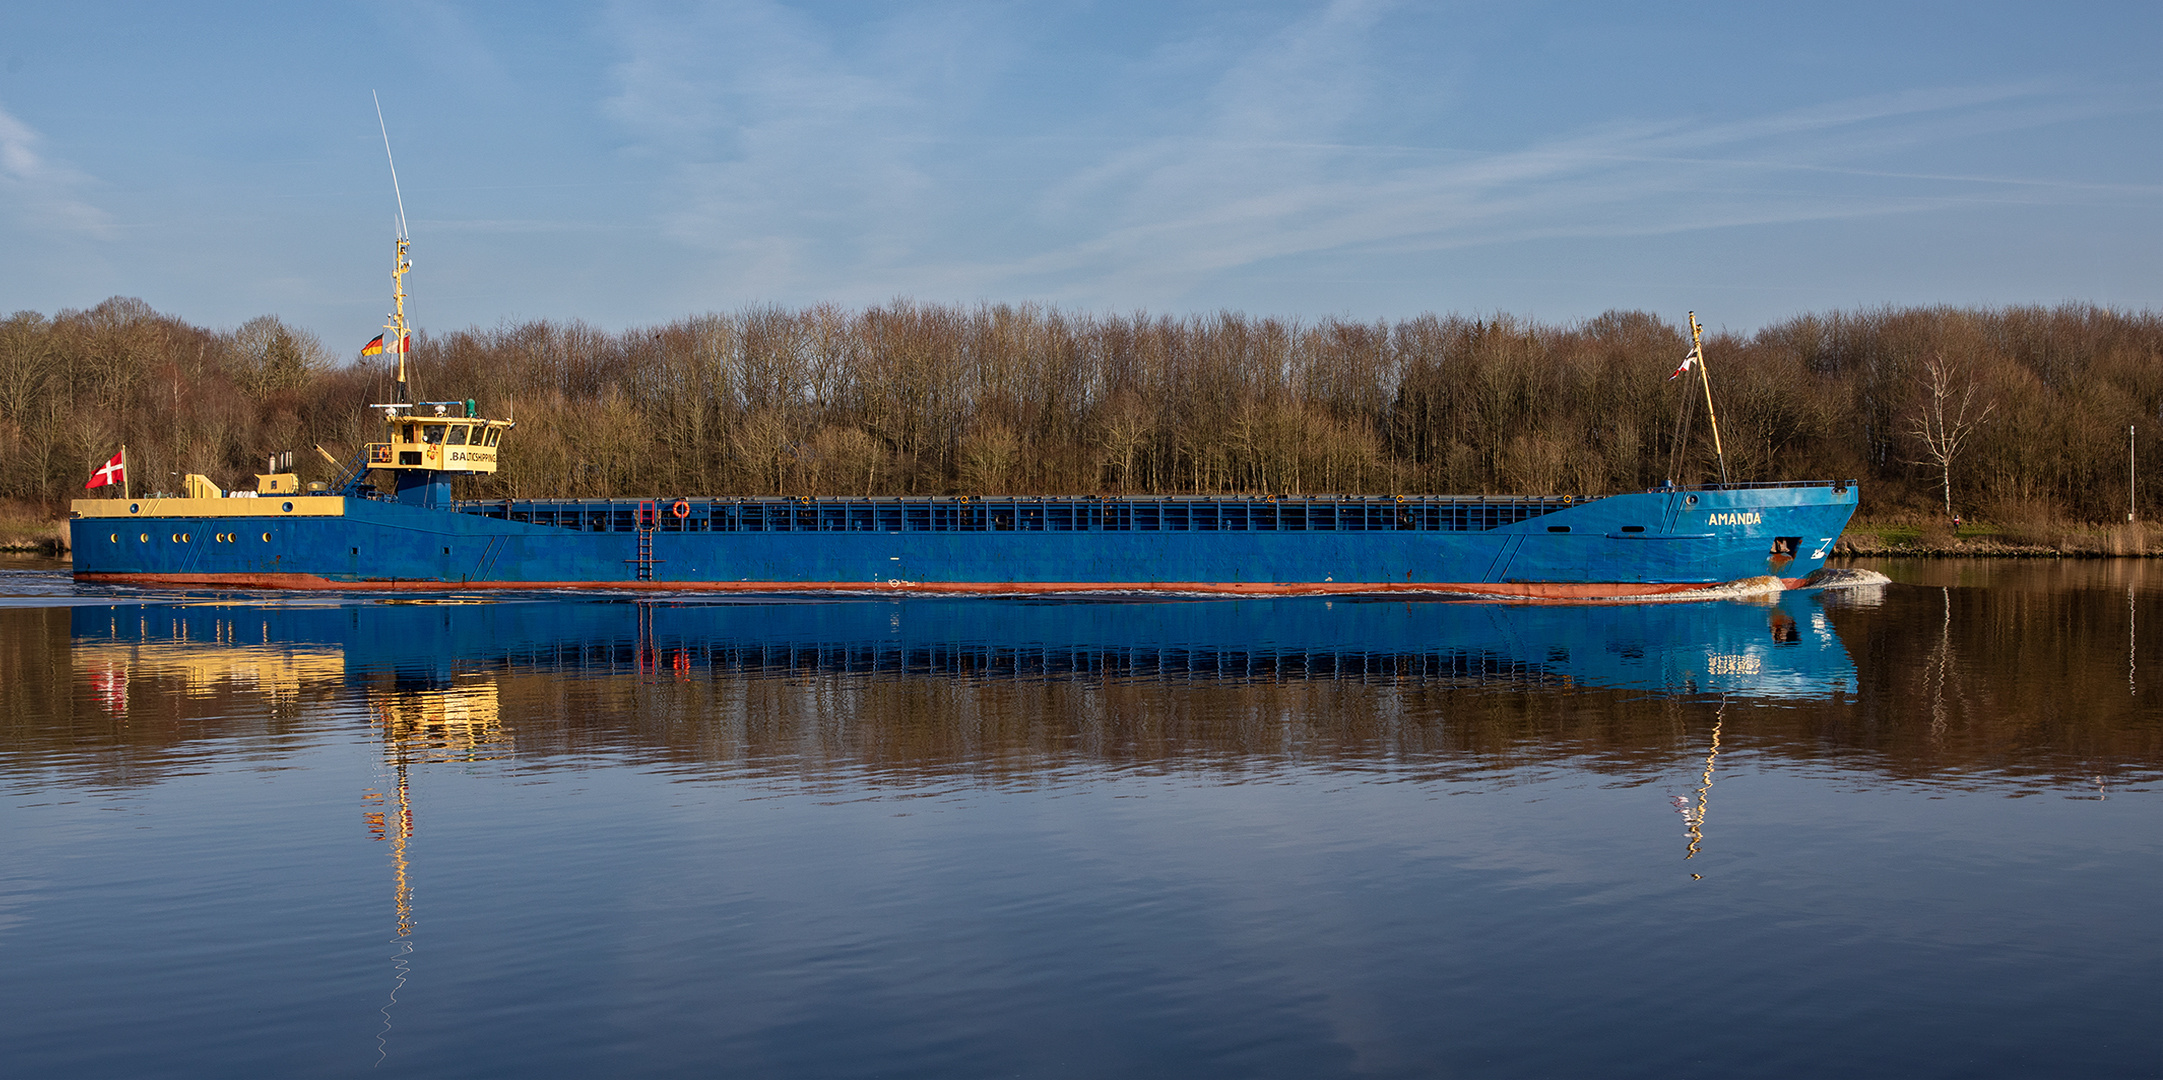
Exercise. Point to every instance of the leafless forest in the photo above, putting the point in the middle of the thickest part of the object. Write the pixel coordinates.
(2014, 413)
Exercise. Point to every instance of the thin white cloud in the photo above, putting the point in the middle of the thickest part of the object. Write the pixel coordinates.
(1192, 207)
(810, 166)
(782, 154)
(42, 193)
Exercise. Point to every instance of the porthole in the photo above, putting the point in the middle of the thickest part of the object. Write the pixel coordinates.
(1690, 500)
(288, 508)
(176, 538)
(145, 538)
(116, 538)
(266, 538)
(135, 508)
(186, 539)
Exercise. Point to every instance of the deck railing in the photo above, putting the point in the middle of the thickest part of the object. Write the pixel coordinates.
(1018, 514)
(1348, 513)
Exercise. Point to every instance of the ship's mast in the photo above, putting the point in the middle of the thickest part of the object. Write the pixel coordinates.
(395, 338)
(1697, 348)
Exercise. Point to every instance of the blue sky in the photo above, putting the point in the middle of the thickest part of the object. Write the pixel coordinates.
(629, 163)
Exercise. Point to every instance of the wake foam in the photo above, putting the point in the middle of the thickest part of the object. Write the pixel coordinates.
(1750, 588)
(1840, 577)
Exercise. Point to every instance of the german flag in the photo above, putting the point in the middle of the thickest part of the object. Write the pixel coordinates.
(374, 347)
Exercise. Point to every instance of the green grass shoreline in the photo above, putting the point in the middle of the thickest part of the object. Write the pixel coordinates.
(2056, 540)
(32, 534)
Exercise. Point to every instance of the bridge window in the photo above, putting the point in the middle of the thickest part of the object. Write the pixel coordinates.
(458, 435)
(432, 433)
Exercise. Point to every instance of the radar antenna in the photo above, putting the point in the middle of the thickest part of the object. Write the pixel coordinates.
(385, 129)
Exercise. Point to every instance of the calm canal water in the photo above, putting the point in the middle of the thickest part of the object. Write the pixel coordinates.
(1909, 830)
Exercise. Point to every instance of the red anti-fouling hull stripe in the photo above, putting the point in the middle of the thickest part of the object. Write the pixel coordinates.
(1516, 590)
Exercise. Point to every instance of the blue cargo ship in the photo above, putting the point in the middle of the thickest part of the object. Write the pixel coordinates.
(416, 536)
(1620, 545)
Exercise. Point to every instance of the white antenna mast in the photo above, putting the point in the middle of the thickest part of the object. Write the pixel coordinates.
(396, 335)
(394, 165)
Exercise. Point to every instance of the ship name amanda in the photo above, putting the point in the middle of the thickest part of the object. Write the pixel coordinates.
(1736, 519)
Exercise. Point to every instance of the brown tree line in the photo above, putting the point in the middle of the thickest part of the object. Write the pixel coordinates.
(917, 399)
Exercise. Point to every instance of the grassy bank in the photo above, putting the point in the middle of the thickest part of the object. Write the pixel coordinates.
(2040, 539)
(31, 528)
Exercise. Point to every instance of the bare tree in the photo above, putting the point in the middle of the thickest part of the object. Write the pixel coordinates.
(1947, 415)
(266, 356)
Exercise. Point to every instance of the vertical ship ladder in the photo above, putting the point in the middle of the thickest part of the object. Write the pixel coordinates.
(649, 519)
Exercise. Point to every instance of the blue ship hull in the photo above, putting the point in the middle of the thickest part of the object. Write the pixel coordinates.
(1619, 545)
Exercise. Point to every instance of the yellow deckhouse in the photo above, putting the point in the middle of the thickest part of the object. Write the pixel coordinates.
(451, 443)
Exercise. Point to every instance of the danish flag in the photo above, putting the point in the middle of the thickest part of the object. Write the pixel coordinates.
(114, 472)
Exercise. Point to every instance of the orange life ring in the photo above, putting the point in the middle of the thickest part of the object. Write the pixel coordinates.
(682, 509)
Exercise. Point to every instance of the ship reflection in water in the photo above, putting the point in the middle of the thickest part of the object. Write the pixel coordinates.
(1783, 649)
(890, 686)
(922, 686)
(911, 688)
(929, 683)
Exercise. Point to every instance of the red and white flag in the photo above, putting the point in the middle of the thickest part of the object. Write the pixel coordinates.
(114, 472)
(1688, 362)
